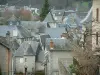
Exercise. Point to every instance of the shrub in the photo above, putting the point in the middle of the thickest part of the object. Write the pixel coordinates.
(39, 73)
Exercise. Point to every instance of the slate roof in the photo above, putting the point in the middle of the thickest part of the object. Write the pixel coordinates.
(49, 18)
(23, 33)
(58, 12)
(59, 44)
(3, 41)
(27, 48)
(73, 20)
(14, 44)
(5, 28)
(43, 39)
(36, 27)
(55, 32)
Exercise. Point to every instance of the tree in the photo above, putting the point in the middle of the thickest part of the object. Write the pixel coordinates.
(3, 2)
(45, 10)
(87, 61)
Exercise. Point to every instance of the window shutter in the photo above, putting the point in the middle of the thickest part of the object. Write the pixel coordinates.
(97, 14)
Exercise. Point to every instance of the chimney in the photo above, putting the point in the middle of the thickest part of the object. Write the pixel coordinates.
(51, 44)
(8, 37)
(97, 14)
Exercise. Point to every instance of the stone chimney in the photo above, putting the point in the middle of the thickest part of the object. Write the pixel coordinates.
(51, 44)
(8, 37)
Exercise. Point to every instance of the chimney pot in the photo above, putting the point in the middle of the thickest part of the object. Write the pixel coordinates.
(51, 44)
(63, 35)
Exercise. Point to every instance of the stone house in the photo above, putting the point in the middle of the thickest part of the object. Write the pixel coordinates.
(29, 56)
(51, 23)
(5, 55)
(58, 56)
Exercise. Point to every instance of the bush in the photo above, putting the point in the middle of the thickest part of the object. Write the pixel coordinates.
(39, 73)
(19, 73)
(72, 68)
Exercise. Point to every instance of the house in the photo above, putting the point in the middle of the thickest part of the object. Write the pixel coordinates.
(16, 32)
(5, 55)
(58, 15)
(55, 32)
(28, 57)
(34, 27)
(13, 20)
(58, 56)
(43, 40)
(51, 23)
(23, 35)
(5, 28)
(5, 58)
(72, 20)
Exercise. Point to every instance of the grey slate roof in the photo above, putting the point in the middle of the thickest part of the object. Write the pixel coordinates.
(3, 41)
(15, 44)
(23, 33)
(73, 20)
(5, 28)
(30, 51)
(59, 44)
(49, 18)
(43, 39)
(36, 27)
(27, 48)
(55, 32)
(58, 12)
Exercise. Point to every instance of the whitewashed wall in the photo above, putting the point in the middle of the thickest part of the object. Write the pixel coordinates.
(39, 66)
(53, 60)
(30, 64)
(19, 66)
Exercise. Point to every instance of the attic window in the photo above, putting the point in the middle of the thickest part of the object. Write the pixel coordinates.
(97, 14)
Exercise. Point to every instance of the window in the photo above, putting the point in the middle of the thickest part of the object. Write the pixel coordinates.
(97, 14)
(25, 59)
(21, 60)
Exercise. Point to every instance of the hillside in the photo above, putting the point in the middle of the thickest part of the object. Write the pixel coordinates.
(38, 3)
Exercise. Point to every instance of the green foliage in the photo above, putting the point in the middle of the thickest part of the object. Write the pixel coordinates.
(44, 10)
(72, 68)
(39, 73)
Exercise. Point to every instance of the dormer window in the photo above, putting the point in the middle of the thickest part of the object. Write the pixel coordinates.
(11, 23)
(97, 14)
